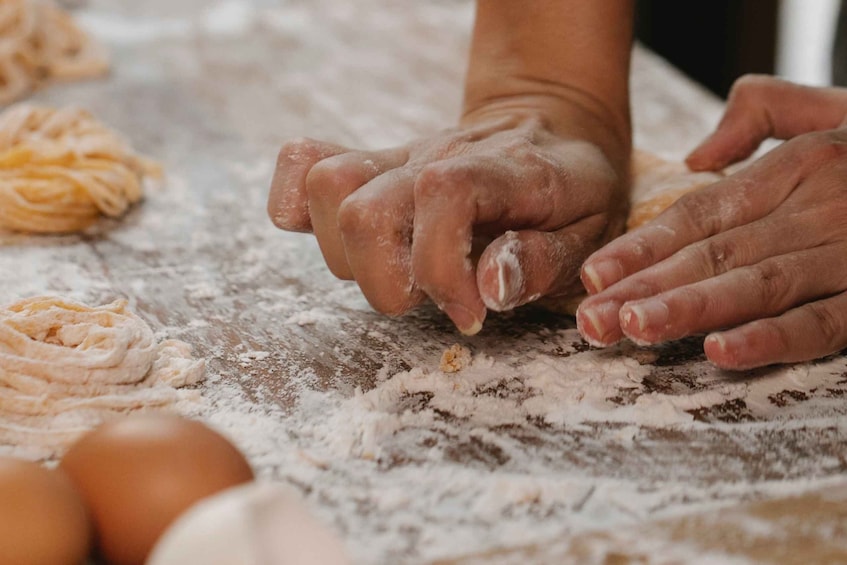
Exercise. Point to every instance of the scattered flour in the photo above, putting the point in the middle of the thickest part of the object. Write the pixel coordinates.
(246, 358)
(423, 454)
(537, 440)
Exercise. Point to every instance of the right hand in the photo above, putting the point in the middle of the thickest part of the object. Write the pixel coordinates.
(756, 259)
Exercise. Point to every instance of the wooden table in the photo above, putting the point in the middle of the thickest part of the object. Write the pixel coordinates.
(349, 405)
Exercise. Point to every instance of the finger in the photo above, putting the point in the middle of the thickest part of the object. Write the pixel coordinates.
(808, 332)
(766, 289)
(520, 267)
(376, 228)
(332, 180)
(599, 316)
(454, 196)
(761, 107)
(288, 204)
(737, 200)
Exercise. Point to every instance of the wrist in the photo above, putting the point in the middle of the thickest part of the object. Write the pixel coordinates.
(566, 112)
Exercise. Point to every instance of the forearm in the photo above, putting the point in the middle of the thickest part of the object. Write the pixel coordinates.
(543, 52)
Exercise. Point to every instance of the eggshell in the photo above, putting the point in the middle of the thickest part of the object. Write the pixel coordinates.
(255, 524)
(137, 474)
(43, 520)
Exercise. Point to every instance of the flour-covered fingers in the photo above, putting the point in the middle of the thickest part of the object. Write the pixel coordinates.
(332, 180)
(376, 228)
(738, 247)
(520, 267)
(760, 107)
(804, 333)
(765, 289)
(598, 316)
(456, 198)
(741, 199)
(288, 203)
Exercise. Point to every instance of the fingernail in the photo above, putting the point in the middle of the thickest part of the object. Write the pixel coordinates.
(728, 350)
(723, 344)
(601, 274)
(649, 313)
(466, 321)
(596, 322)
(716, 339)
(510, 284)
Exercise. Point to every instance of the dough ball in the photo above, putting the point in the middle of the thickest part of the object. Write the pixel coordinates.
(43, 520)
(137, 474)
(255, 524)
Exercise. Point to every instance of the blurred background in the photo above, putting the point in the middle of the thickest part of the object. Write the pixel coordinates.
(716, 41)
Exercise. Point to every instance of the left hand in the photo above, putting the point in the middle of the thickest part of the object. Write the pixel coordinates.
(758, 259)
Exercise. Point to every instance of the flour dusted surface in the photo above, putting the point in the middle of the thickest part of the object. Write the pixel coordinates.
(350, 406)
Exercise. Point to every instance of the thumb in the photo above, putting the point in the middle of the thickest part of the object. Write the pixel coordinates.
(760, 107)
(522, 266)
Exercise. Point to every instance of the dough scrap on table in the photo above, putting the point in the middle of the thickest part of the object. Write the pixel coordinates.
(60, 169)
(40, 43)
(66, 367)
(454, 359)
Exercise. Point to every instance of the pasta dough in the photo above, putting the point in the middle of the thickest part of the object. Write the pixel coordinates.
(656, 184)
(60, 169)
(39, 42)
(66, 367)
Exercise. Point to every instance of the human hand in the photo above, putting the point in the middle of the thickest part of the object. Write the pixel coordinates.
(401, 221)
(758, 258)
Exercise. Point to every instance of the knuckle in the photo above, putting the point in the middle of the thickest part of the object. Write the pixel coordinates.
(643, 250)
(520, 148)
(395, 304)
(697, 303)
(751, 86)
(438, 180)
(776, 335)
(697, 213)
(366, 217)
(644, 286)
(293, 150)
(819, 146)
(331, 176)
(774, 284)
(354, 214)
(719, 255)
(828, 325)
(752, 81)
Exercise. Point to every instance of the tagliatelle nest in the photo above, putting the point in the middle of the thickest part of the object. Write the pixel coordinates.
(66, 367)
(39, 43)
(61, 169)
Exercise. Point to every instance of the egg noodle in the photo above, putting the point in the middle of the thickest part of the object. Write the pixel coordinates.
(39, 43)
(66, 367)
(60, 169)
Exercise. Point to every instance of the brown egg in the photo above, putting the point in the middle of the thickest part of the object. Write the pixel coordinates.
(43, 520)
(138, 474)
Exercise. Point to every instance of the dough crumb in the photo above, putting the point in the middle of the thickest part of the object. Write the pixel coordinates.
(455, 358)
